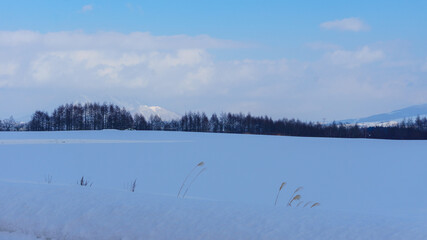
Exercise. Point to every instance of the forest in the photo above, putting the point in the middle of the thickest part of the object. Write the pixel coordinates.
(95, 116)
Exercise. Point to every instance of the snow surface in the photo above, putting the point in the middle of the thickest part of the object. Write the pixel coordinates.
(367, 189)
(16, 236)
(74, 212)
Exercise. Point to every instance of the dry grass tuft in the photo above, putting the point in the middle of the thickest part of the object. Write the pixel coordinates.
(296, 198)
(83, 182)
(292, 197)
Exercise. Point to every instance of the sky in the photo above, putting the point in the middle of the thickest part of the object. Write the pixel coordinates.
(312, 60)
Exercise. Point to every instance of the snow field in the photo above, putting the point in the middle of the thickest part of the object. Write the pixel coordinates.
(368, 189)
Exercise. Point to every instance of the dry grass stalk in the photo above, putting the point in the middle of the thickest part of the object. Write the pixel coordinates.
(48, 179)
(315, 205)
(299, 203)
(133, 186)
(297, 197)
(185, 180)
(192, 181)
(308, 203)
(280, 189)
(291, 199)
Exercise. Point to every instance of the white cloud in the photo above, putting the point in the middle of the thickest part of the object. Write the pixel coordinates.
(135, 8)
(356, 58)
(120, 69)
(87, 8)
(18, 38)
(109, 58)
(182, 72)
(346, 24)
(8, 68)
(322, 46)
(136, 41)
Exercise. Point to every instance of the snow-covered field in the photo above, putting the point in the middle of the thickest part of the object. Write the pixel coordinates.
(367, 189)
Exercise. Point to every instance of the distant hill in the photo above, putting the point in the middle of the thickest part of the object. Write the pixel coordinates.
(391, 118)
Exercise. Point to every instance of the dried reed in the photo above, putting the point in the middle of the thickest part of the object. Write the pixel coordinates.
(297, 197)
(280, 189)
(292, 197)
(192, 181)
(315, 205)
(308, 203)
(185, 180)
(133, 186)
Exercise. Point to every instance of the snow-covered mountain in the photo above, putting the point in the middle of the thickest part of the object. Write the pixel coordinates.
(147, 111)
(134, 105)
(391, 118)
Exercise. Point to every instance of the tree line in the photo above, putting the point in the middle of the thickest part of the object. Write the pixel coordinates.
(90, 116)
(95, 116)
(9, 124)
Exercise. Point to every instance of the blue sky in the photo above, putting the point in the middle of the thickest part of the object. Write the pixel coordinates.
(304, 59)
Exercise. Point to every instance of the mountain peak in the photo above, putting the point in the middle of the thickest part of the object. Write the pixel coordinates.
(148, 111)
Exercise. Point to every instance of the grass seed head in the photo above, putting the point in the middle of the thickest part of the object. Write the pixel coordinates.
(315, 205)
(280, 189)
(297, 197)
(298, 189)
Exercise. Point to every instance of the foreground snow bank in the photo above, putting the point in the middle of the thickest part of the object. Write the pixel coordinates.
(52, 211)
(16, 236)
